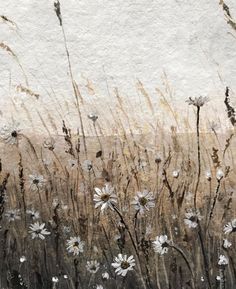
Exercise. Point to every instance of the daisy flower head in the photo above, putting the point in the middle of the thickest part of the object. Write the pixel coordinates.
(87, 165)
(223, 261)
(219, 174)
(55, 279)
(143, 201)
(36, 181)
(72, 164)
(230, 227)
(75, 245)
(123, 264)
(13, 215)
(197, 101)
(49, 143)
(34, 215)
(22, 259)
(92, 116)
(175, 174)
(105, 197)
(105, 276)
(10, 133)
(192, 217)
(161, 244)
(92, 266)
(208, 175)
(38, 231)
(226, 244)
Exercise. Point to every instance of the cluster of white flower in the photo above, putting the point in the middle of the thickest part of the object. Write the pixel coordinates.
(106, 198)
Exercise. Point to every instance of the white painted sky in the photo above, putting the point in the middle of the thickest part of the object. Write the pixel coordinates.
(115, 43)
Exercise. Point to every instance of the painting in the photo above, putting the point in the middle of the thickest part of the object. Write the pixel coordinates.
(117, 144)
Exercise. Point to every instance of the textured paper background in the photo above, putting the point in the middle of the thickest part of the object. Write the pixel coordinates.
(114, 43)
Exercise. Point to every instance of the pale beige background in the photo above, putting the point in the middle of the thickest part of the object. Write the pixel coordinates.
(112, 44)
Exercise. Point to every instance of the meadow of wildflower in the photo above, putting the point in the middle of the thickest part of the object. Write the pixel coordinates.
(149, 206)
(115, 212)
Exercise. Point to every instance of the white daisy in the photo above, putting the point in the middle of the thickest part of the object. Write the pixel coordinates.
(92, 266)
(13, 215)
(72, 164)
(99, 287)
(105, 197)
(161, 244)
(230, 227)
(123, 264)
(36, 181)
(38, 231)
(105, 276)
(219, 174)
(197, 101)
(75, 245)
(226, 244)
(22, 259)
(33, 214)
(87, 165)
(208, 175)
(49, 143)
(192, 217)
(175, 174)
(143, 201)
(10, 133)
(223, 261)
(93, 117)
(66, 229)
(55, 279)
